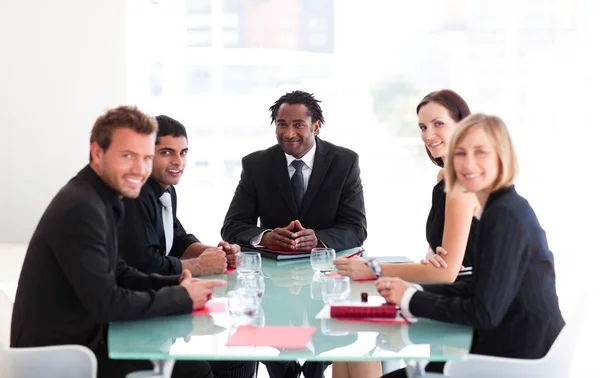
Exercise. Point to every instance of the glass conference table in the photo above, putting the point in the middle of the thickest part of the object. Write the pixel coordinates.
(292, 298)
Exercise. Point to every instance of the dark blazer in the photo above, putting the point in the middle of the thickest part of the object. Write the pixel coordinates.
(73, 282)
(143, 241)
(511, 299)
(333, 205)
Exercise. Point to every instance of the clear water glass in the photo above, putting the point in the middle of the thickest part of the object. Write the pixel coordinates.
(316, 286)
(259, 318)
(252, 282)
(321, 259)
(248, 263)
(335, 289)
(242, 305)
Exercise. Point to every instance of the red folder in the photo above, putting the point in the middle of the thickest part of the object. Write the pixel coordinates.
(383, 311)
(210, 308)
(276, 337)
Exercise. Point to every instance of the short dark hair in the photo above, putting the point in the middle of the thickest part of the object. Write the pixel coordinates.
(129, 117)
(457, 108)
(299, 97)
(168, 126)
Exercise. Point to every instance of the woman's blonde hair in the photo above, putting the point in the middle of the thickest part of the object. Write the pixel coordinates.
(496, 130)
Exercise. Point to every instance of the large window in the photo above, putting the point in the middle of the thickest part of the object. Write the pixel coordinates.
(217, 65)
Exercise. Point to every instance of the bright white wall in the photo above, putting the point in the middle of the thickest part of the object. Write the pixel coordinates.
(62, 63)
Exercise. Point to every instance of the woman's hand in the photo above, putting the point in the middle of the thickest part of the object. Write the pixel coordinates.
(356, 268)
(437, 260)
(392, 289)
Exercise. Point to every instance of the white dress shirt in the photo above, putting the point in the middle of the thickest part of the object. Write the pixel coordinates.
(309, 161)
(405, 302)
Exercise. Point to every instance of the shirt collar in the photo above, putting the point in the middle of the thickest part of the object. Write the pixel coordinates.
(157, 189)
(308, 158)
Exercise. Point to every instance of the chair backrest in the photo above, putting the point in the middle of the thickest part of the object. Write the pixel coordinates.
(6, 308)
(556, 363)
(61, 361)
(560, 356)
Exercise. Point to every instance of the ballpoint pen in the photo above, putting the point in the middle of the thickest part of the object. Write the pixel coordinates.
(355, 253)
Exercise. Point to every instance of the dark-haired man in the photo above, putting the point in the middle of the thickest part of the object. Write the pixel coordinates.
(319, 203)
(305, 191)
(154, 240)
(73, 283)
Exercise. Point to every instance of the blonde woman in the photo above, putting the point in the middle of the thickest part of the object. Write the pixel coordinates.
(510, 301)
(450, 225)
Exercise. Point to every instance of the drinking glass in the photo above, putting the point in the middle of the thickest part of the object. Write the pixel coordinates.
(242, 305)
(335, 289)
(253, 282)
(321, 259)
(259, 318)
(248, 263)
(316, 286)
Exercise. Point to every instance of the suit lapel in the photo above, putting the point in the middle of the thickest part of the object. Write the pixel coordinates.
(281, 177)
(319, 171)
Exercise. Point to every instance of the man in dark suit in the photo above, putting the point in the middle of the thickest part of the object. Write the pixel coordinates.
(154, 240)
(73, 282)
(306, 192)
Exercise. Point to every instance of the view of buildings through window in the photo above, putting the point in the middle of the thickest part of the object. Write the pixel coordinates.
(217, 66)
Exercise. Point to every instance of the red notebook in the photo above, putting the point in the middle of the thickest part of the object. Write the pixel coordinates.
(383, 311)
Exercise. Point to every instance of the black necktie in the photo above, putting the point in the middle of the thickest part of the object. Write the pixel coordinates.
(298, 182)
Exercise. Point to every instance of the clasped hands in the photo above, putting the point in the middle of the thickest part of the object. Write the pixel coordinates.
(216, 260)
(293, 237)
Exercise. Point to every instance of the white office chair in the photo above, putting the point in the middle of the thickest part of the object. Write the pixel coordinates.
(64, 361)
(556, 363)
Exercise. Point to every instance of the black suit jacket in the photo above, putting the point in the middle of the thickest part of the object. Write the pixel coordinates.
(333, 205)
(143, 241)
(73, 282)
(510, 301)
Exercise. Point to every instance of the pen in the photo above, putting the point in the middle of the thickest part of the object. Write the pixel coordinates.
(355, 253)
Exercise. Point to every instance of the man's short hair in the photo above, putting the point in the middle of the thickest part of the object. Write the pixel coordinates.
(299, 97)
(129, 117)
(168, 126)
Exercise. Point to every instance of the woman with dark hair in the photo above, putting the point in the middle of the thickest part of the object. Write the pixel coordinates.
(451, 218)
(511, 300)
(450, 224)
